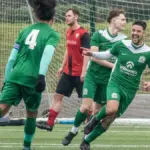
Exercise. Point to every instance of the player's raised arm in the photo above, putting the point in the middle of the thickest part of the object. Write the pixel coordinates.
(100, 55)
(102, 62)
(86, 51)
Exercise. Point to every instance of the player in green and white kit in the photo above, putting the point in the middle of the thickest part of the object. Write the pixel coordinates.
(28, 64)
(132, 58)
(98, 73)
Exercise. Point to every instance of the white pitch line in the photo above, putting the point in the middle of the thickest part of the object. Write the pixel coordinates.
(12, 145)
(110, 131)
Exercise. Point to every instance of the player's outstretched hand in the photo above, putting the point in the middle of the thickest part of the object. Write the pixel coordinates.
(146, 86)
(86, 51)
(40, 87)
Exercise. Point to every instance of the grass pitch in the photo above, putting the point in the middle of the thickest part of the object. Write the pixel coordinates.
(116, 138)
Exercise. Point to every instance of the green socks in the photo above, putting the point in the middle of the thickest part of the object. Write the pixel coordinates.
(91, 116)
(29, 130)
(102, 114)
(95, 133)
(79, 118)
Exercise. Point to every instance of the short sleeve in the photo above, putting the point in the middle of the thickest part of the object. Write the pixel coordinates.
(18, 40)
(85, 40)
(95, 40)
(54, 39)
(115, 49)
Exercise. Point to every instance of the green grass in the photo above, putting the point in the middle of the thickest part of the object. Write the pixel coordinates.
(116, 138)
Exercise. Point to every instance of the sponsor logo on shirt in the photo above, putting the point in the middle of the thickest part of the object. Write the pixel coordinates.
(130, 64)
(128, 69)
(71, 42)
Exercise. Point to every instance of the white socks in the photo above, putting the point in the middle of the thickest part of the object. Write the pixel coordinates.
(74, 129)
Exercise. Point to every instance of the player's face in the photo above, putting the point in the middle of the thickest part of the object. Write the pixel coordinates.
(71, 18)
(120, 22)
(137, 34)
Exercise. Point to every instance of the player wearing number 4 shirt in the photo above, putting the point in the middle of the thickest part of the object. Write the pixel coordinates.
(132, 58)
(28, 64)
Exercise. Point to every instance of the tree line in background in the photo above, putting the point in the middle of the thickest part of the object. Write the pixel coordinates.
(17, 11)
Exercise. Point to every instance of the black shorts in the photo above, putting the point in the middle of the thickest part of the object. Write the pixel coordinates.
(67, 83)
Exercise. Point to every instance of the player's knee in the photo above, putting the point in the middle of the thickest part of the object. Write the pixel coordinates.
(58, 97)
(85, 108)
(112, 110)
(95, 111)
(31, 114)
(4, 108)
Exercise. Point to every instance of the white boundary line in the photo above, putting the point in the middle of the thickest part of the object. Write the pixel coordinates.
(111, 131)
(12, 145)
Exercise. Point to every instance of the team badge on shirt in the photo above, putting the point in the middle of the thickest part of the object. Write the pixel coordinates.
(77, 35)
(142, 59)
(114, 95)
(85, 91)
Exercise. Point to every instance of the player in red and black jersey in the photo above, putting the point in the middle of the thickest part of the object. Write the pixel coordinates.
(73, 67)
(75, 38)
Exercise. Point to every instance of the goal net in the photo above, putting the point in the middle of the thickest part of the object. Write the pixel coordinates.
(16, 14)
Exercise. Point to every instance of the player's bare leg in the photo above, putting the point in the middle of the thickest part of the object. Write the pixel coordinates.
(4, 108)
(53, 112)
(96, 132)
(108, 110)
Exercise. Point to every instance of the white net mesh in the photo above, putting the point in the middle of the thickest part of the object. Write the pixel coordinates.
(15, 14)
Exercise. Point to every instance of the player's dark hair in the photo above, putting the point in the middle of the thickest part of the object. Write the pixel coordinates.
(114, 13)
(43, 9)
(74, 10)
(140, 23)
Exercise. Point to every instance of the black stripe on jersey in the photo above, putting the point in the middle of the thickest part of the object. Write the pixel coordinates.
(70, 65)
(85, 40)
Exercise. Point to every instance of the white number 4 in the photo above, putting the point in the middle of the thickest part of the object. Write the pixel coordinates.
(31, 39)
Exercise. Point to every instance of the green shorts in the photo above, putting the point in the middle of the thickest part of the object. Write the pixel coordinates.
(121, 94)
(13, 93)
(94, 90)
